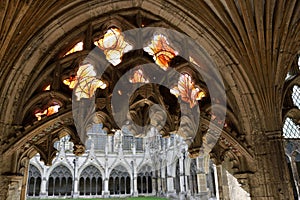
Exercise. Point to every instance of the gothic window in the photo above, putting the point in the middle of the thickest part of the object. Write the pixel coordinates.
(75, 48)
(119, 181)
(52, 109)
(187, 90)
(90, 182)
(47, 88)
(139, 144)
(60, 181)
(86, 82)
(34, 181)
(71, 81)
(161, 51)
(114, 45)
(144, 180)
(127, 142)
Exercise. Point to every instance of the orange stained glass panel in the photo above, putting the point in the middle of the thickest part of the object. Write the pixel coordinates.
(187, 90)
(47, 112)
(161, 51)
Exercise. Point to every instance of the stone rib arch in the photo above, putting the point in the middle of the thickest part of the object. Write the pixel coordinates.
(146, 6)
(233, 32)
(62, 166)
(92, 164)
(122, 167)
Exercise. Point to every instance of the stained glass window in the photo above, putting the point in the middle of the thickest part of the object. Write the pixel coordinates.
(187, 90)
(161, 51)
(47, 88)
(139, 77)
(47, 112)
(77, 47)
(86, 82)
(290, 129)
(71, 82)
(114, 46)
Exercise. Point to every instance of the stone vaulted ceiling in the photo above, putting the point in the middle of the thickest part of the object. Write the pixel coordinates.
(253, 43)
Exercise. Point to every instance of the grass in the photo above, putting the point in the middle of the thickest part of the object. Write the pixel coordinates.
(125, 198)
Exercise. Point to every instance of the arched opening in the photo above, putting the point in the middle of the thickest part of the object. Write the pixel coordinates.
(34, 181)
(145, 180)
(60, 181)
(90, 181)
(118, 181)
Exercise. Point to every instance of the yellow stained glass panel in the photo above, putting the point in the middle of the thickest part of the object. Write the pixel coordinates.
(114, 46)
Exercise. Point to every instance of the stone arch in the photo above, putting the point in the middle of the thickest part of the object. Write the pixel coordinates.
(34, 181)
(144, 179)
(90, 181)
(222, 40)
(60, 181)
(81, 15)
(119, 180)
(92, 164)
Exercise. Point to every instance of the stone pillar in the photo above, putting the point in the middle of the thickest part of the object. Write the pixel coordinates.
(271, 179)
(216, 182)
(202, 186)
(222, 183)
(154, 181)
(43, 192)
(170, 186)
(202, 171)
(76, 192)
(135, 191)
(10, 187)
(105, 192)
(182, 177)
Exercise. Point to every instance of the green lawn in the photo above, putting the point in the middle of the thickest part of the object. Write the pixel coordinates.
(125, 198)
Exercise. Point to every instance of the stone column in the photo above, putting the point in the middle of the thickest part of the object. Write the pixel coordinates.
(154, 179)
(43, 192)
(135, 191)
(170, 186)
(105, 193)
(76, 192)
(10, 187)
(182, 178)
(222, 183)
(271, 179)
(202, 171)
(202, 186)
